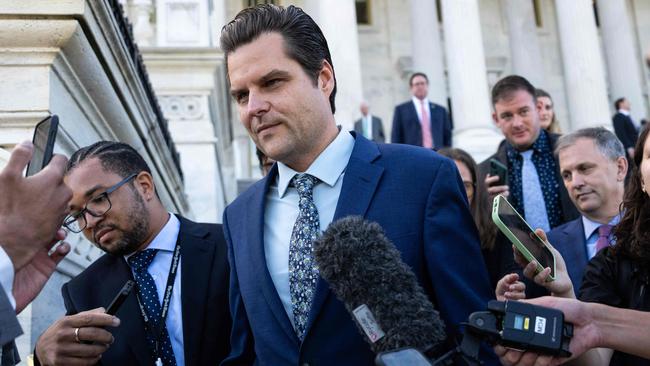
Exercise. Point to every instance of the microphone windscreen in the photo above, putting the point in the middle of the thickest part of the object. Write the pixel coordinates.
(363, 267)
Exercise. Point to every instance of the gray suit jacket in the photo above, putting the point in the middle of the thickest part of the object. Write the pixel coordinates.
(377, 129)
(9, 330)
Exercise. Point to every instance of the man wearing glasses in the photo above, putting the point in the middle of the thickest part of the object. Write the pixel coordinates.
(115, 205)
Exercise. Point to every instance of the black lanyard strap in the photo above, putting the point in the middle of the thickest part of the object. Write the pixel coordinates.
(154, 331)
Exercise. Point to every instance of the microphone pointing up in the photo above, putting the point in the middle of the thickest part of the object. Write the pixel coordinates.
(365, 271)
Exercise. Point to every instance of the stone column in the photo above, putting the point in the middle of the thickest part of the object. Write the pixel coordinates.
(339, 25)
(218, 18)
(623, 61)
(524, 44)
(584, 73)
(468, 85)
(141, 19)
(427, 51)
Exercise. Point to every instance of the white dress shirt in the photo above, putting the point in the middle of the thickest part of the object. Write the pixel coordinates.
(367, 126)
(282, 209)
(591, 233)
(165, 242)
(7, 276)
(418, 107)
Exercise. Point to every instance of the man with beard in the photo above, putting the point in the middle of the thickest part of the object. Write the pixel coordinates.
(116, 206)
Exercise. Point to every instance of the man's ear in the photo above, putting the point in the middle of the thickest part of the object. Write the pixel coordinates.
(326, 80)
(144, 184)
(621, 168)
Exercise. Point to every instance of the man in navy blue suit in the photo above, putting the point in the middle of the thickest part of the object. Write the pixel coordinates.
(420, 122)
(283, 82)
(593, 168)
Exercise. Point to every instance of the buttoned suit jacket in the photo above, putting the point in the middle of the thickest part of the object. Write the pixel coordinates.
(407, 129)
(9, 330)
(569, 240)
(377, 129)
(427, 219)
(204, 299)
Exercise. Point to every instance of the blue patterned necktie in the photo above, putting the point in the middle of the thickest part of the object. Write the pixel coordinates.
(148, 294)
(303, 273)
(534, 204)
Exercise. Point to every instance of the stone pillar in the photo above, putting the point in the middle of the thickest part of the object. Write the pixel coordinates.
(339, 25)
(623, 62)
(218, 18)
(427, 51)
(524, 44)
(584, 73)
(141, 19)
(468, 85)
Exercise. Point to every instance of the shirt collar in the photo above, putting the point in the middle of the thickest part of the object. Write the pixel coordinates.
(591, 226)
(541, 145)
(418, 102)
(166, 238)
(327, 167)
(624, 112)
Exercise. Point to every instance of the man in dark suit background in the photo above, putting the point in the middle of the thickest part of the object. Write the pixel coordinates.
(624, 127)
(116, 206)
(420, 122)
(283, 312)
(31, 211)
(369, 126)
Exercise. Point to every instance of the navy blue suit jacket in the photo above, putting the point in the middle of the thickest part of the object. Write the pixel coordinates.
(204, 299)
(407, 129)
(417, 197)
(625, 130)
(569, 240)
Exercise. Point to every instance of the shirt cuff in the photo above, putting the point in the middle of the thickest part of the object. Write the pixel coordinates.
(7, 276)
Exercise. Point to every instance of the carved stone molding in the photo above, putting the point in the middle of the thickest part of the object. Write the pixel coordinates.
(183, 107)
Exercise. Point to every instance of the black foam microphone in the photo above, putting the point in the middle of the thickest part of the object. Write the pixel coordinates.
(366, 272)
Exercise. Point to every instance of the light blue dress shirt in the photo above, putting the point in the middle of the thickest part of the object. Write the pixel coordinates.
(165, 242)
(591, 233)
(282, 208)
(7, 276)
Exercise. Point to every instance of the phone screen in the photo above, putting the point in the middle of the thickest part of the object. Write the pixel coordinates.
(526, 236)
(44, 136)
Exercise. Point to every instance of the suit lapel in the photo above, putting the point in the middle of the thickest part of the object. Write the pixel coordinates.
(255, 238)
(129, 313)
(575, 248)
(359, 185)
(196, 264)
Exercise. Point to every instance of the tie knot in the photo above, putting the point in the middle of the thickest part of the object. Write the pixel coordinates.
(304, 183)
(527, 155)
(141, 260)
(604, 230)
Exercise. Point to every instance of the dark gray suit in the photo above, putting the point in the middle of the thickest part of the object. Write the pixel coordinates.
(9, 330)
(377, 129)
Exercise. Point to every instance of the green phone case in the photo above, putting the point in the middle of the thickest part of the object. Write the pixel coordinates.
(518, 244)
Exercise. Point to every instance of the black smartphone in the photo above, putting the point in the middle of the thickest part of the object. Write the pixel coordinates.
(498, 169)
(44, 138)
(120, 297)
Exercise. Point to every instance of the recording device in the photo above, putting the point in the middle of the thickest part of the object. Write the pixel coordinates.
(120, 297)
(498, 169)
(513, 226)
(512, 324)
(43, 140)
(365, 271)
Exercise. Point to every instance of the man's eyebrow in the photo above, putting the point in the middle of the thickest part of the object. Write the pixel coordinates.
(92, 190)
(269, 76)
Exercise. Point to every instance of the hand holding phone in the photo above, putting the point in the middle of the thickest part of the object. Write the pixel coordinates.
(120, 298)
(43, 140)
(498, 169)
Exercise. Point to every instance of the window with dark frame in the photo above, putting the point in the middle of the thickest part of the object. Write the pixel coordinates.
(537, 9)
(363, 11)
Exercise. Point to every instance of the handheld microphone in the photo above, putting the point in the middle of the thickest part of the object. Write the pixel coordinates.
(366, 272)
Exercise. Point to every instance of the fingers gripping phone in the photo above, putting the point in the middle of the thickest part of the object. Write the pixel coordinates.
(498, 169)
(517, 230)
(44, 138)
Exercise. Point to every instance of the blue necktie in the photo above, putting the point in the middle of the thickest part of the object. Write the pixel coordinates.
(303, 273)
(534, 204)
(148, 294)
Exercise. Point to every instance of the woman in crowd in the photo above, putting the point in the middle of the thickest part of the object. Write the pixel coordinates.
(498, 258)
(547, 112)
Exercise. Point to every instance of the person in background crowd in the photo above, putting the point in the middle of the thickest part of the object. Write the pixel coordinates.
(369, 126)
(420, 122)
(624, 127)
(547, 118)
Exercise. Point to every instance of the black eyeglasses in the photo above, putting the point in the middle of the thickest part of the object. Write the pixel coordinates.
(96, 207)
